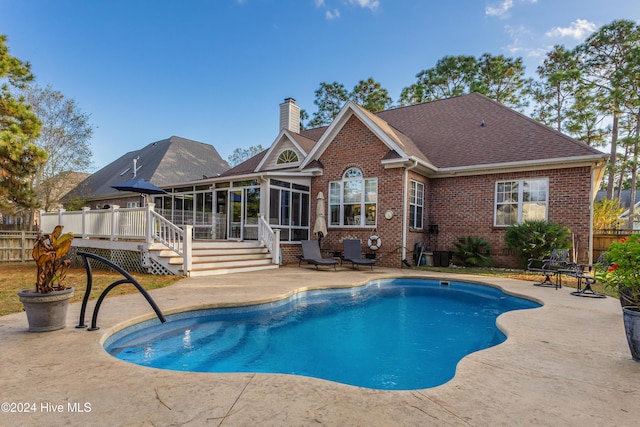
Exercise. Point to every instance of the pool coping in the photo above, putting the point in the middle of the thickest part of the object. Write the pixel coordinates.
(201, 325)
(564, 363)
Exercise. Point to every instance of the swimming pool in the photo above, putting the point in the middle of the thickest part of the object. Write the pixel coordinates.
(391, 334)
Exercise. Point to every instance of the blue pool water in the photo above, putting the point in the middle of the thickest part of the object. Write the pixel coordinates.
(391, 334)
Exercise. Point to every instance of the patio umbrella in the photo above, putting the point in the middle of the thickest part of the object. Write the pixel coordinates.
(140, 186)
(320, 227)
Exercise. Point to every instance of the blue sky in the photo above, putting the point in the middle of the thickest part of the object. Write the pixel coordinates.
(215, 71)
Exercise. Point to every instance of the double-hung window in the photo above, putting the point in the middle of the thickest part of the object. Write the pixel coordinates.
(416, 204)
(353, 200)
(522, 200)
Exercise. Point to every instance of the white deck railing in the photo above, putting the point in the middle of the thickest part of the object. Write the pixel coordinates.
(114, 223)
(142, 224)
(118, 223)
(270, 238)
(175, 238)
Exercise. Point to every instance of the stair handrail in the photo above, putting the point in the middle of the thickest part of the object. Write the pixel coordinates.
(128, 279)
(270, 238)
(175, 238)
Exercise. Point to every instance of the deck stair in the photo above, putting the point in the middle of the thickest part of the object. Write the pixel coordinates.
(217, 257)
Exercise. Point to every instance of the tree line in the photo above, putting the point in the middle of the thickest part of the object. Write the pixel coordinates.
(44, 139)
(591, 92)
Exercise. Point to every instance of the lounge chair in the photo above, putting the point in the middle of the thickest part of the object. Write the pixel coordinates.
(353, 253)
(311, 255)
(550, 267)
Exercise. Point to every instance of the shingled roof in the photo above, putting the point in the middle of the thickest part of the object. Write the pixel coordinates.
(466, 131)
(163, 163)
(472, 130)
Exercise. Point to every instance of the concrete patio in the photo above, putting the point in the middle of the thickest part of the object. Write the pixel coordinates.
(566, 363)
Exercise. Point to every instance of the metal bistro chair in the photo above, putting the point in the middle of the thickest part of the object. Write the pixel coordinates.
(586, 275)
(550, 267)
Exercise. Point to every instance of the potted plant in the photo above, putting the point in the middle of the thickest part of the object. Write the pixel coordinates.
(623, 275)
(46, 305)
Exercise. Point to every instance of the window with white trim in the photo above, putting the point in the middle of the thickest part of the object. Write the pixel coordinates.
(289, 210)
(521, 200)
(287, 156)
(416, 204)
(353, 200)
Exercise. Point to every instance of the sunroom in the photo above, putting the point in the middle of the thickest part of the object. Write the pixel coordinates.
(230, 209)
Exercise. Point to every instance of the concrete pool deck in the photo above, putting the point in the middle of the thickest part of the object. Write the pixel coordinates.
(566, 363)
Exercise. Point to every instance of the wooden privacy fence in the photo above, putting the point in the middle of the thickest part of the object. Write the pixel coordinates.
(601, 242)
(16, 245)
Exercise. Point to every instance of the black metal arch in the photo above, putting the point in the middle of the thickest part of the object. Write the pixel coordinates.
(128, 279)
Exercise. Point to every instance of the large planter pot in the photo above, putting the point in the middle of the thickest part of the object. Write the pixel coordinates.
(46, 312)
(631, 316)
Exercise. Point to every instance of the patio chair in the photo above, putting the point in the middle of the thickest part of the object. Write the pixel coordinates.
(353, 254)
(586, 274)
(311, 255)
(550, 267)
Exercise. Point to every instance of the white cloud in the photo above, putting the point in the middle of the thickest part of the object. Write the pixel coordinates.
(501, 10)
(578, 30)
(525, 44)
(332, 14)
(369, 4)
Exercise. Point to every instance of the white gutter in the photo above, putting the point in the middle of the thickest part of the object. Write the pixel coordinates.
(527, 165)
(245, 176)
(405, 210)
(538, 164)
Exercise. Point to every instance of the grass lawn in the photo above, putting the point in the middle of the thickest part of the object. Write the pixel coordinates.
(569, 282)
(16, 276)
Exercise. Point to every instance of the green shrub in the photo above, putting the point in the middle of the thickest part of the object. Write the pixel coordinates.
(623, 273)
(472, 252)
(536, 239)
(606, 213)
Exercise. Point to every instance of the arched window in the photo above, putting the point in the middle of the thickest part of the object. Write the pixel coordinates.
(353, 200)
(287, 156)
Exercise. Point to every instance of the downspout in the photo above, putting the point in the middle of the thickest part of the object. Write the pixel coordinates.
(591, 197)
(405, 208)
(595, 183)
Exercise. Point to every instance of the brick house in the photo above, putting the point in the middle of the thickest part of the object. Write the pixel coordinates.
(434, 172)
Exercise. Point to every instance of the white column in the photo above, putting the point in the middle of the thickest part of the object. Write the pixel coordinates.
(85, 209)
(61, 212)
(187, 249)
(114, 222)
(276, 247)
(149, 227)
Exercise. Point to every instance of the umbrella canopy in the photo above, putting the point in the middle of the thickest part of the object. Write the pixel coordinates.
(320, 227)
(139, 185)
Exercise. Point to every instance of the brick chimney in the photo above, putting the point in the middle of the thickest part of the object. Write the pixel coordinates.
(290, 115)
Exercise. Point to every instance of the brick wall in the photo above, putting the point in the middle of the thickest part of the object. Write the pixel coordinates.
(460, 206)
(356, 146)
(464, 206)
(417, 235)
